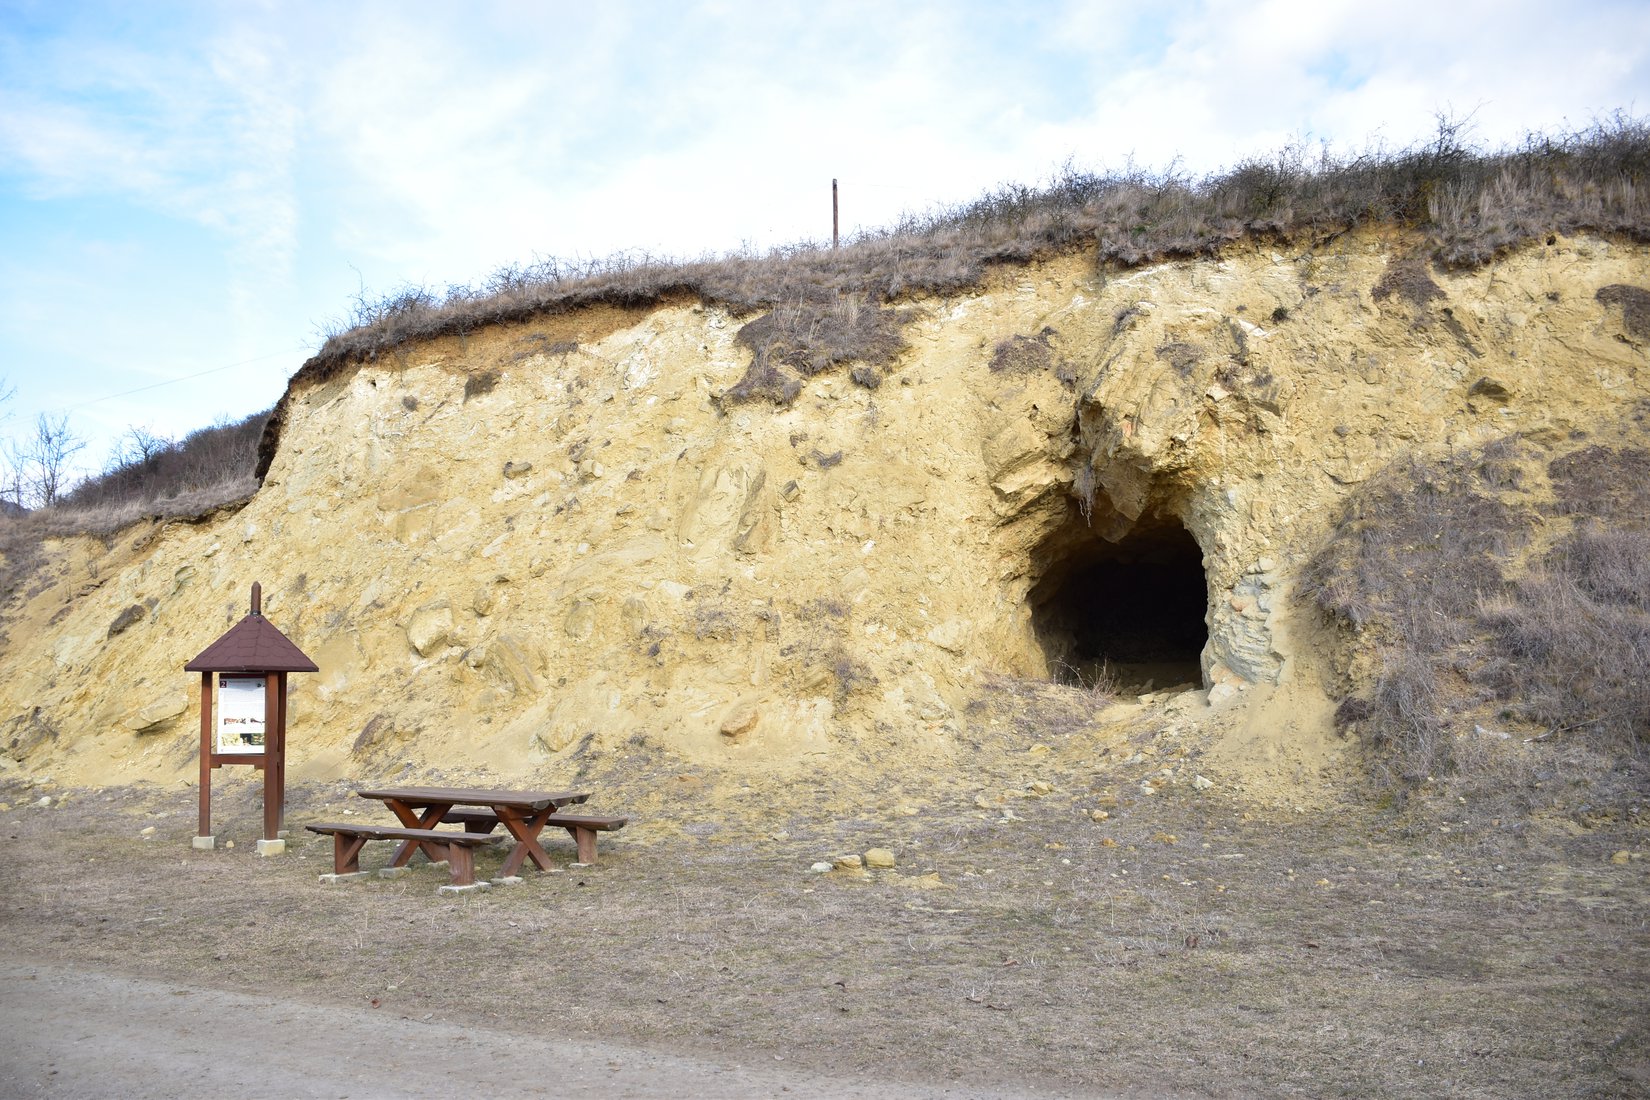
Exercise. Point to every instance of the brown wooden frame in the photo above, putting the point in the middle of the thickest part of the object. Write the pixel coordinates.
(522, 813)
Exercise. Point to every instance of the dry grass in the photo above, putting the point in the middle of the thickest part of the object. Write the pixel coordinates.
(801, 339)
(1469, 606)
(1183, 946)
(1470, 204)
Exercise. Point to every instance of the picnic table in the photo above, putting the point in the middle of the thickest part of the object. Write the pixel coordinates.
(524, 815)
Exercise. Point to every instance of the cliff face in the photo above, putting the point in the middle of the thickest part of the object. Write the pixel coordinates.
(553, 538)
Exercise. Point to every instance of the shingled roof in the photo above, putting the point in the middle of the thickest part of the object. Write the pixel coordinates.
(252, 645)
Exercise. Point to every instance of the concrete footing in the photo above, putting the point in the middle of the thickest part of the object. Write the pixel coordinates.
(203, 843)
(332, 879)
(508, 880)
(271, 847)
(470, 889)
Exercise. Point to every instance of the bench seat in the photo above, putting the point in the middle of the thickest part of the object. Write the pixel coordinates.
(582, 827)
(348, 839)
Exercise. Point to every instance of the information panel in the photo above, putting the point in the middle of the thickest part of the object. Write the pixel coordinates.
(241, 714)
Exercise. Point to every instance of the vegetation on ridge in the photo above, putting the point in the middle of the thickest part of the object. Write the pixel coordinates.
(1470, 203)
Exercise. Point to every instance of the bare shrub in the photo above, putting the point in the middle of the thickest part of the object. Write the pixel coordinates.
(40, 469)
(156, 476)
(712, 620)
(208, 470)
(850, 674)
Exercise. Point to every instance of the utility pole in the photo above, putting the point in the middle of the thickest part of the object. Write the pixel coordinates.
(833, 216)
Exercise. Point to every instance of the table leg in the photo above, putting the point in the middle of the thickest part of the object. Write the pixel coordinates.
(346, 853)
(526, 832)
(435, 853)
(461, 859)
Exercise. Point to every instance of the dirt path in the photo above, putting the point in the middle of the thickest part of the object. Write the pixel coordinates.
(70, 1032)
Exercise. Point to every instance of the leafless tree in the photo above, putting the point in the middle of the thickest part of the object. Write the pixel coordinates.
(138, 448)
(40, 464)
(11, 485)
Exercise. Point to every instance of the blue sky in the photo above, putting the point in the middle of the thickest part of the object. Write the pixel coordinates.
(190, 193)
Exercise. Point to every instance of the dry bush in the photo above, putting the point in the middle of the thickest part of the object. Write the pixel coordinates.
(1181, 356)
(1413, 557)
(1573, 638)
(1420, 547)
(1424, 568)
(1602, 482)
(479, 383)
(763, 381)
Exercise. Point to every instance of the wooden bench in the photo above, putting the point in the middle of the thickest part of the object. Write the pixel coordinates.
(457, 847)
(581, 827)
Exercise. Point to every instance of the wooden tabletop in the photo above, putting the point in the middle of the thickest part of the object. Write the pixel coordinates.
(472, 796)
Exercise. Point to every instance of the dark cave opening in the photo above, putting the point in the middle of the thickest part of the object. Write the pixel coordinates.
(1130, 613)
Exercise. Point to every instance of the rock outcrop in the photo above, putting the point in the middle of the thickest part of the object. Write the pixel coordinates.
(588, 548)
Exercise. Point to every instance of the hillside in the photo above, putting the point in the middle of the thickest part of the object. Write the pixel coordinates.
(514, 548)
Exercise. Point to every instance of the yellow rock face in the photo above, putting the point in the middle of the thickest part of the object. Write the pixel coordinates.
(592, 552)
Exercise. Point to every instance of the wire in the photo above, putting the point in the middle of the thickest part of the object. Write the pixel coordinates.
(185, 378)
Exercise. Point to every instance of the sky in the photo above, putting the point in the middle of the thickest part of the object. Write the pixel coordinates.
(191, 194)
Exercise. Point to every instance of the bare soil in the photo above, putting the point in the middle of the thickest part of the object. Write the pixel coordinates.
(1189, 943)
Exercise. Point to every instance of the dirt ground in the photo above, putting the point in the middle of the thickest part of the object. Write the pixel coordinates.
(1049, 927)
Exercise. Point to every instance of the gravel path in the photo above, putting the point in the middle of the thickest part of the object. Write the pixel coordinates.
(78, 1033)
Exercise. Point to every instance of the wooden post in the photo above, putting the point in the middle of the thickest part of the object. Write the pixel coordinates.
(280, 754)
(272, 766)
(206, 756)
(833, 216)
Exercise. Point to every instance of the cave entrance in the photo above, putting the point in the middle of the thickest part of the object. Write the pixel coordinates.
(1131, 613)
